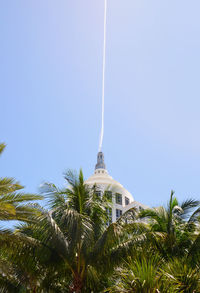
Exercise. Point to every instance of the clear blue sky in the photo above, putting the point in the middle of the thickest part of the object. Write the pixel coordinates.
(50, 91)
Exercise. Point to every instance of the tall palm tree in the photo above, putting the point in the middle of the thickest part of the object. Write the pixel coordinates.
(70, 248)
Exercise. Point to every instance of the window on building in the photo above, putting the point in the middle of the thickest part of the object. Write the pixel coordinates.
(108, 194)
(109, 212)
(118, 213)
(127, 201)
(118, 198)
(98, 193)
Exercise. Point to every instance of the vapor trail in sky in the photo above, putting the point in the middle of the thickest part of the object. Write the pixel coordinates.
(103, 80)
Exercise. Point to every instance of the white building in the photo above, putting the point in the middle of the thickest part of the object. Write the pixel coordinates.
(122, 198)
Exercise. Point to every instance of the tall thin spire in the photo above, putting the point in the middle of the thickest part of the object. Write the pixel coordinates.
(100, 161)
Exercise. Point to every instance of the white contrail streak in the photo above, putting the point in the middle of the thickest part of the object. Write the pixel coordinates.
(103, 80)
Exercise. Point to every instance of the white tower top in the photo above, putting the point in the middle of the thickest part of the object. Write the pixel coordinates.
(101, 176)
(122, 198)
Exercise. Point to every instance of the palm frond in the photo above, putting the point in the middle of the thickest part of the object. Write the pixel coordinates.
(194, 218)
(14, 198)
(182, 277)
(188, 205)
(8, 185)
(2, 147)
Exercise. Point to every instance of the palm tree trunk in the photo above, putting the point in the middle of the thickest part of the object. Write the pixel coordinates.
(77, 284)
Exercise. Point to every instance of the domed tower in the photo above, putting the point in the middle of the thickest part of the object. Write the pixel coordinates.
(122, 199)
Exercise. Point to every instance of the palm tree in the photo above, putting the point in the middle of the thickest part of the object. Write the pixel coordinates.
(168, 260)
(182, 276)
(150, 273)
(141, 273)
(12, 201)
(176, 223)
(71, 248)
(14, 205)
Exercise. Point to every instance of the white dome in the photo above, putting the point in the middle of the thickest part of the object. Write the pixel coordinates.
(104, 181)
